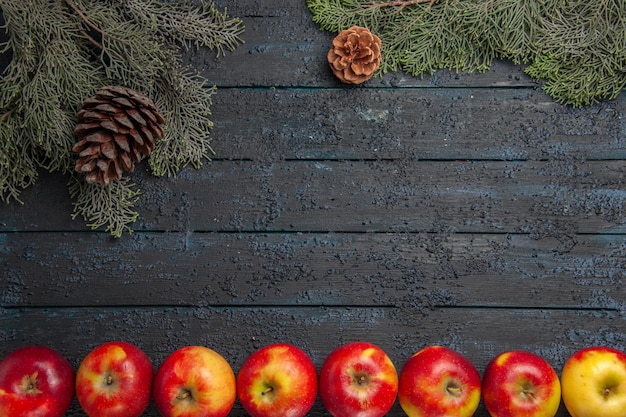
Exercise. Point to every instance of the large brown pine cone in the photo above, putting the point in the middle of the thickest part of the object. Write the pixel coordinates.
(116, 128)
(355, 55)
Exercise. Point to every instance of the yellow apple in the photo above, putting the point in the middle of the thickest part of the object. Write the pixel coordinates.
(594, 383)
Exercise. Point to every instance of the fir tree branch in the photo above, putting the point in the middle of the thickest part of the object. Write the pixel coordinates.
(18, 168)
(111, 207)
(186, 100)
(581, 52)
(397, 3)
(189, 23)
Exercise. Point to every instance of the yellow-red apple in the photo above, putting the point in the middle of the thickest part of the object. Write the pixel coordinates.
(594, 383)
(114, 380)
(521, 384)
(35, 381)
(358, 379)
(278, 380)
(195, 381)
(439, 382)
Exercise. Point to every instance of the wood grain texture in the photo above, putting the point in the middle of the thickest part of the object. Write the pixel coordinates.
(468, 210)
(540, 197)
(418, 270)
(405, 123)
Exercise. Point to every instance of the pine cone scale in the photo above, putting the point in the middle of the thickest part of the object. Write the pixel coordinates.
(79, 146)
(123, 101)
(134, 134)
(126, 162)
(90, 151)
(122, 142)
(106, 108)
(116, 128)
(124, 120)
(156, 130)
(86, 167)
(108, 149)
(143, 101)
(82, 128)
(90, 116)
(152, 118)
(98, 137)
(103, 165)
(146, 133)
(136, 116)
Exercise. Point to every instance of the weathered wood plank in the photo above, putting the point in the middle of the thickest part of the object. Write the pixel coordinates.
(415, 271)
(556, 197)
(507, 124)
(480, 334)
(464, 196)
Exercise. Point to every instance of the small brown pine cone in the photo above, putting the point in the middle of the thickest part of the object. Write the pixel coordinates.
(116, 128)
(355, 55)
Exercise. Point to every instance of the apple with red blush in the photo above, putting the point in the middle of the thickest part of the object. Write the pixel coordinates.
(35, 381)
(194, 381)
(520, 384)
(358, 379)
(438, 382)
(278, 380)
(114, 380)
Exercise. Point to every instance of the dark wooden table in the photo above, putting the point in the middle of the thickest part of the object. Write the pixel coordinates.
(468, 210)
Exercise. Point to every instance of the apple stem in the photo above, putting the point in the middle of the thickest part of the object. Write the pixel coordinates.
(530, 394)
(29, 383)
(454, 390)
(267, 390)
(183, 395)
(109, 380)
(359, 378)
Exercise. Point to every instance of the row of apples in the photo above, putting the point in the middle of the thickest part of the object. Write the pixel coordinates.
(117, 379)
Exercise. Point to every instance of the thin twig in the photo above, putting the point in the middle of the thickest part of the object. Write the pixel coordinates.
(7, 114)
(80, 13)
(396, 3)
(92, 40)
(82, 16)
